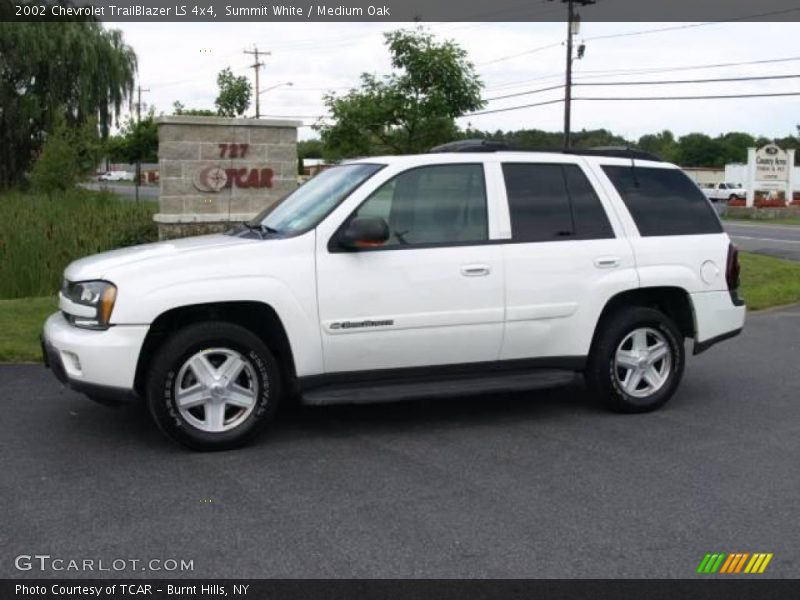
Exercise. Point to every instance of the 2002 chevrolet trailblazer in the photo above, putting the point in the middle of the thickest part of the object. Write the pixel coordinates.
(465, 269)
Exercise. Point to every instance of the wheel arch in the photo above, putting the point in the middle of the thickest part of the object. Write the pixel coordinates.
(674, 302)
(258, 317)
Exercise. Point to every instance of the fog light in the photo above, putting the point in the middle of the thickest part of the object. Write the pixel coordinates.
(71, 361)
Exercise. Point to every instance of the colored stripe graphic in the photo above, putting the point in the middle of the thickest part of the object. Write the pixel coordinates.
(726, 566)
(741, 562)
(736, 562)
(702, 567)
(711, 562)
(764, 564)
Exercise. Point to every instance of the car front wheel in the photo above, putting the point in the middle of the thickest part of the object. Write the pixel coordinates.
(213, 386)
(636, 361)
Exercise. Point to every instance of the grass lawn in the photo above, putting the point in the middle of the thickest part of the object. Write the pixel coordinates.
(766, 282)
(781, 221)
(21, 322)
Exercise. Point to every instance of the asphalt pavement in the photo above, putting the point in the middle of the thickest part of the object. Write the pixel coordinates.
(537, 484)
(780, 241)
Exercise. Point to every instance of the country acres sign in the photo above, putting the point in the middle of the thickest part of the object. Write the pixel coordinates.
(772, 164)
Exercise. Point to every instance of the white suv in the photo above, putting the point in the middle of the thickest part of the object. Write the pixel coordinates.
(467, 269)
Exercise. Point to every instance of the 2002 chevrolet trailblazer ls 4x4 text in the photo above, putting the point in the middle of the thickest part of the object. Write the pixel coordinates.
(470, 268)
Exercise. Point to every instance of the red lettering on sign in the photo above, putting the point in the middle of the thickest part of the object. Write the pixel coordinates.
(251, 181)
(233, 150)
(249, 178)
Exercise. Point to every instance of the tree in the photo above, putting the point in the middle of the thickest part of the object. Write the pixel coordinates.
(408, 110)
(137, 142)
(699, 150)
(234, 94)
(73, 71)
(661, 144)
(310, 149)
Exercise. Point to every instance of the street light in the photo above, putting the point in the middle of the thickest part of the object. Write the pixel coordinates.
(277, 85)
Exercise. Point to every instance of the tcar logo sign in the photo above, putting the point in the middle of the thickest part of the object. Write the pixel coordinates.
(216, 178)
(210, 179)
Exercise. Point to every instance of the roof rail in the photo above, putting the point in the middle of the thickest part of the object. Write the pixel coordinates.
(470, 146)
(480, 145)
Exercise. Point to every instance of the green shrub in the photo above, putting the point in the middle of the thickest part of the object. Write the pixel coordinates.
(68, 154)
(40, 234)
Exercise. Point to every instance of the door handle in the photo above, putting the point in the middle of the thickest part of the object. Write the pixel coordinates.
(606, 262)
(475, 270)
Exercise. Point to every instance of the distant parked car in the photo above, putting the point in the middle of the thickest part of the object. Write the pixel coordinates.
(724, 191)
(116, 176)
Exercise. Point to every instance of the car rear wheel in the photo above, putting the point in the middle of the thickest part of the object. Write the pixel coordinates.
(213, 386)
(636, 361)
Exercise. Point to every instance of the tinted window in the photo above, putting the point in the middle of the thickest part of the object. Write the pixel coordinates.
(591, 222)
(439, 204)
(663, 201)
(550, 202)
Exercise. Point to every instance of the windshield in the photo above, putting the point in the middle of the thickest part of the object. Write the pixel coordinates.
(305, 207)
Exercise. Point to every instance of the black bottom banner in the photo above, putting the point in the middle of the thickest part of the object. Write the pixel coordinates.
(405, 589)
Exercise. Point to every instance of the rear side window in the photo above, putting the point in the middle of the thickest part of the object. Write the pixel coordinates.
(663, 201)
(552, 202)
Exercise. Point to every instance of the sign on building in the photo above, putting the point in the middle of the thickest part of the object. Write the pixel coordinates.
(772, 164)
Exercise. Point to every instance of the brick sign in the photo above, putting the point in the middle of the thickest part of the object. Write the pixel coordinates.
(219, 171)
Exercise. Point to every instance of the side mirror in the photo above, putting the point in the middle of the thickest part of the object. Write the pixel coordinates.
(364, 232)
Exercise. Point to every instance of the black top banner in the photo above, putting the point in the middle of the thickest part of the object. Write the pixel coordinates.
(401, 10)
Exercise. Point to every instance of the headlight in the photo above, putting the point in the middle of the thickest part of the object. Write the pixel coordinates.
(98, 295)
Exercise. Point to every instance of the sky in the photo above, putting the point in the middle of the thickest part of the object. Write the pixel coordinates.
(180, 61)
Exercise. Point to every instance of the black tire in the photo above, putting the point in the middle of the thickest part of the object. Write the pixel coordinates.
(603, 373)
(184, 344)
(732, 197)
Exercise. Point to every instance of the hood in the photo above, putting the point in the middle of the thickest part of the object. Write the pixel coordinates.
(98, 265)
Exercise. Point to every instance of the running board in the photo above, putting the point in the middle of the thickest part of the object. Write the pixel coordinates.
(398, 390)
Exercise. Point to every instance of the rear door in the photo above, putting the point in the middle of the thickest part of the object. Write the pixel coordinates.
(566, 257)
(679, 240)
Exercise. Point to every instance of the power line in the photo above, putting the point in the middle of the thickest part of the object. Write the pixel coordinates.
(620, 72)
(659, 82)
(708, 97)
(525, 53)
(497, 110)
(692, 25)
(635, 98)
(527, 93)
(645, 32)
(683, 81)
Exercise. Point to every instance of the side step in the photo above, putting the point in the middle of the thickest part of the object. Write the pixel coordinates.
(398, 390)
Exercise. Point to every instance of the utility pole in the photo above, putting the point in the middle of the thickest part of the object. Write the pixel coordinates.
(257, 66)
(573, 25)
(138, 173)
(568, 86)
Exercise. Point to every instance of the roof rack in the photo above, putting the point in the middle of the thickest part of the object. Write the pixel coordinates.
(480, 145)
